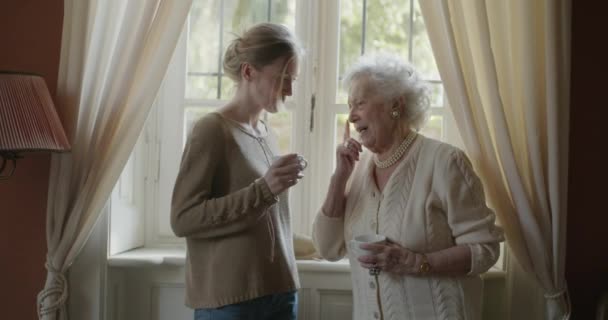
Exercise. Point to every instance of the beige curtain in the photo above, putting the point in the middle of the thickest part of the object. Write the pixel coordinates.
(506, 72)
(113, 58)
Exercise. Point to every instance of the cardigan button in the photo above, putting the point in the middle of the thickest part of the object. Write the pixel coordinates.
(376, 315)
(372, 285)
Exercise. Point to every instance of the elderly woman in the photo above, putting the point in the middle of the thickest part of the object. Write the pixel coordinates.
(230, 198)
(421, 194)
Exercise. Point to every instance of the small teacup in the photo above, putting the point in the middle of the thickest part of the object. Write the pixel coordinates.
(365, 238)
(303, 162)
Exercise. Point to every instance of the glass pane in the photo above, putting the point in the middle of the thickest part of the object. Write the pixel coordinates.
(284, 12)
(228, 88)
(207, 41)
(201, 87)
(422, 54)
(436, 94)
(281, 124)
(351, 33)
(386, 29)
(203, 49)
(434, 127)
(241, 14)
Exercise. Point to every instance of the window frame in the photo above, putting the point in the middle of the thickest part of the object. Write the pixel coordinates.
(313, 122)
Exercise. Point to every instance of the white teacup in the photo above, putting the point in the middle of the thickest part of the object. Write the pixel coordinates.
(365, 238)
(301, 159)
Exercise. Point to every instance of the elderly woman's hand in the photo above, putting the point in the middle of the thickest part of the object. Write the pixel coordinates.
(347, 154)
(391, 257)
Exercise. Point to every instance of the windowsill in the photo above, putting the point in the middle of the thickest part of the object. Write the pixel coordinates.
(176, 256)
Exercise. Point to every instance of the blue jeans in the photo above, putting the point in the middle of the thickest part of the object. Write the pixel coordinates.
(281, 306)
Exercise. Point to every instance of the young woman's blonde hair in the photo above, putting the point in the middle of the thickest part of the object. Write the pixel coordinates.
(260, 45)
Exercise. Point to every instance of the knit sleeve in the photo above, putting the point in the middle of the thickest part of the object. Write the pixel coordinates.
(328, 236)
(195, 211)
(483, 257)
(463, 201)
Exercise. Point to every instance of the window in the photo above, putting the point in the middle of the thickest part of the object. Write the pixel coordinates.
(334, 34)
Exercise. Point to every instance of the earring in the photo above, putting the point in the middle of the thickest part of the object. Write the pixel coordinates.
(395, 114)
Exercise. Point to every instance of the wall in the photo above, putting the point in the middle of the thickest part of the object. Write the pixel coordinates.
(30, 40)
(587, 244)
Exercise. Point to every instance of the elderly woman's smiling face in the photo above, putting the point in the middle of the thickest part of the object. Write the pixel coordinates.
(370, 115)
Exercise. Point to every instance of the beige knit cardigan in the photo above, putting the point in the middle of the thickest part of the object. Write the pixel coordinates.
(432, 201)
(239, 238)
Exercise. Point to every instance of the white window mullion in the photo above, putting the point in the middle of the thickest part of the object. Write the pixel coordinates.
(326, 77)
(169, 138)
(300, 195)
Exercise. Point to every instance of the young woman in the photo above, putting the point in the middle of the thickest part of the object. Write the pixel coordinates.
(230, 200)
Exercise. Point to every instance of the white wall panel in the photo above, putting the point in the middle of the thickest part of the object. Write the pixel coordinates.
(157, 293)
(335, 305)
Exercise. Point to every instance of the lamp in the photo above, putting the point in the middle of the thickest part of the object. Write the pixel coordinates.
(28, 120)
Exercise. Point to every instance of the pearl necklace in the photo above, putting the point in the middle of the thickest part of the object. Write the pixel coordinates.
(397, 154)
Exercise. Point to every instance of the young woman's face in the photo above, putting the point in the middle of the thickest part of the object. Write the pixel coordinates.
(369, 112)
(274, 83)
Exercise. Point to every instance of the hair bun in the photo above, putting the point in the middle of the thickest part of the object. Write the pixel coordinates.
(232, 62)
(259, 46)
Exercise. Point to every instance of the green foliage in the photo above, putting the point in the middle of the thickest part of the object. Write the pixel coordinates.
(387, 28)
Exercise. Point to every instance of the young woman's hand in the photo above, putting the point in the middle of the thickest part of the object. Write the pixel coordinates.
(284, 173)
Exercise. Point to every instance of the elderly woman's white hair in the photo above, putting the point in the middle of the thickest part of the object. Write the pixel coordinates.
(393, 78)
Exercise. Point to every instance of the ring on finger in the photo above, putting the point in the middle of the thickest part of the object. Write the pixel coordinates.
(374, 271)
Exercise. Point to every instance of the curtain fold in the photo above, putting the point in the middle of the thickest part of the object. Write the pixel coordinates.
(505, 66)
(113, 58)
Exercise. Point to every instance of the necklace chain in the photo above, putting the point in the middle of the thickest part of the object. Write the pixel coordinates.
(261, 140)
(399, 152)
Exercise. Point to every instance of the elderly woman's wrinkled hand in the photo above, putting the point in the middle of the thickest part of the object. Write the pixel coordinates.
(390, 257)
(347, 154)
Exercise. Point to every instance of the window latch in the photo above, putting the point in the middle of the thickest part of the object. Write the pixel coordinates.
(313, 100)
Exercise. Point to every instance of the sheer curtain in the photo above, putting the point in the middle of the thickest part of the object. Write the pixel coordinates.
(506, 72)
(113, 58)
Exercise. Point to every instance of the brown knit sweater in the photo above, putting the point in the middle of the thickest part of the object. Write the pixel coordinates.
(238, 236)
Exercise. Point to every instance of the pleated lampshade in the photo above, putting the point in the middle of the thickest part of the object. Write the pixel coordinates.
(28, 120)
